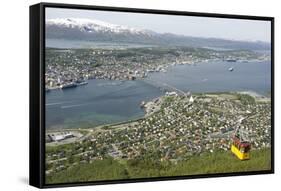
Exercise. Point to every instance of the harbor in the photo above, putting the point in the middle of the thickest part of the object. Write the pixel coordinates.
(131, 63)
(102, 101)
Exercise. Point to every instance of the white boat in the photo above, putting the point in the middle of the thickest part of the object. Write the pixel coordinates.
(231, 69)
(71, 85)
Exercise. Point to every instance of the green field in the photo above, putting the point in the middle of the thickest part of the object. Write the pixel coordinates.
(109, 169)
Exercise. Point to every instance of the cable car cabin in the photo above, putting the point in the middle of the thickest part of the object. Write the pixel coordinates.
(241, 149)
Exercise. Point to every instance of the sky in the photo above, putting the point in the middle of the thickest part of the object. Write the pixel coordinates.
(234, 29)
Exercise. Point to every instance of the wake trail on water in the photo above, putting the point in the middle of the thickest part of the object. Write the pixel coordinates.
(71, 106)
(57, 103)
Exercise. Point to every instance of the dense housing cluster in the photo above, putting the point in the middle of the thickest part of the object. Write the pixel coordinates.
(72, 67)
(175, 128)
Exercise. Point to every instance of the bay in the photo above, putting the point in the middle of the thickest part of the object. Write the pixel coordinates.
(106, 101)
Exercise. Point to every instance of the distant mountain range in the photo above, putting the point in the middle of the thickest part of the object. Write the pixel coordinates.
(95, 30)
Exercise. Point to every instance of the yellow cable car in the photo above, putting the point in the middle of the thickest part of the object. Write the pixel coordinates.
(239, 147)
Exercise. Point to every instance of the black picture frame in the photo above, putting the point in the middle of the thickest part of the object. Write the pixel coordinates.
(37, 93)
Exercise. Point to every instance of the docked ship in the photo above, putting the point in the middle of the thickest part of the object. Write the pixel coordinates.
(70, 85)
(231, 60)
(81, 83)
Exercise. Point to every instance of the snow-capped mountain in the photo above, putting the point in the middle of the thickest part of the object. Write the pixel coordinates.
(96, 30)
(90, 25)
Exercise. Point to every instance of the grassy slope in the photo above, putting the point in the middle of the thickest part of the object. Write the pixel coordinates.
(217, 162)
(225, 162)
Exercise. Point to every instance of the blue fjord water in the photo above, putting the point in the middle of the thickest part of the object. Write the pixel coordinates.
(105, 101)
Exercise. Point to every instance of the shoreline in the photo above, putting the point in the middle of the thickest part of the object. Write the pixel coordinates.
(253, 94)
(183, 127)
(144, 73)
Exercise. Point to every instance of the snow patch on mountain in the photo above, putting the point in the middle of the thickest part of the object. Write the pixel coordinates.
(92, 25)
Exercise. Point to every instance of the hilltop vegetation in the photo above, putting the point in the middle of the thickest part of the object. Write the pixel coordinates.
(177, 137)
(206, 163)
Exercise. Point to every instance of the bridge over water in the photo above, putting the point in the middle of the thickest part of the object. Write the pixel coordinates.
(166, 87)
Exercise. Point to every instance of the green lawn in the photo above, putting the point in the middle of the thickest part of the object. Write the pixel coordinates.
(109, 169)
